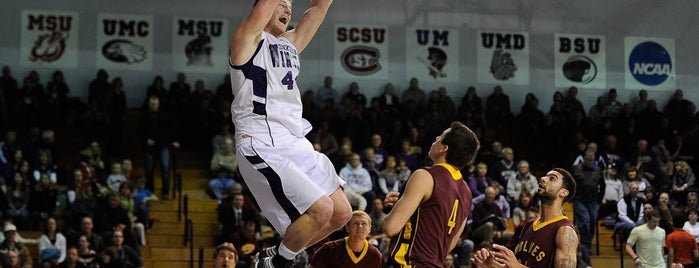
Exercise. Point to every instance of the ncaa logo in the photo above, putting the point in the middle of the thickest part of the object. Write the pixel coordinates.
(650, 63)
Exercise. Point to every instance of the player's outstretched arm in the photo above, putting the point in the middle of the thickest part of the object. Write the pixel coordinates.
(309, 24)
(247, 35)
(419, 188)
(566, 247)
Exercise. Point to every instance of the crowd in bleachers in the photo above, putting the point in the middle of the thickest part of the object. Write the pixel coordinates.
(374, 142)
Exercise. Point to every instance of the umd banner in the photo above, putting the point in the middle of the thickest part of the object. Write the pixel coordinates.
(124, 41)
(361, 51)
(503, 58)
(49, 39)
(200, 45)
(580, 61)
(432, 54)
(650, 63)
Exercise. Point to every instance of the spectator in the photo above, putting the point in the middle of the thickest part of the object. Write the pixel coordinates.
(42, 201)
(486, 216)
(18, 201)
(389, 101)
(613, 191)
(497, 109)
(116, 178)
(341, 252)
(45, 165)
(12, 245)
(522, 182)
(109, 258)
(479, 180)
(72, 260)
(87, 257)
(128, 203)
(247, 239)
(691, 225)
(126, 254)
(629, 211)
(415, 95)
(232, 216)
(143, 199)
(524, 204)
(393, 177)
(224, 167)
(159, 133)
(590, 191)
(326, 92)
(325, 138)
(506, 167)
(632, 175)
(359, 185)
(225, 256)
(683, 181)
(52, 244)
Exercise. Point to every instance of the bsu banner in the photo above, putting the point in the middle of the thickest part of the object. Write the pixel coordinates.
(361, 51)
(49, 39)
(580, 61)
(124, 41)
(503, 57)
(650, 63)
(200, 45)
(432, 54)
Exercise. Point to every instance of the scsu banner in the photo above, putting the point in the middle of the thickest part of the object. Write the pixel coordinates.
(200, 45)
(49, 39)
(649, 63)
(361, 51)
(580, 60)
(502, 57)
(124, 41)
(432, 54)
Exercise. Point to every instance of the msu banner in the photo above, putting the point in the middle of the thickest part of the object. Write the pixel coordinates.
(49, 39)
(580, 61)
(432, 54)
(649, 63)
(361, 51)
(124, 41)
(502, 57)
(200, 45)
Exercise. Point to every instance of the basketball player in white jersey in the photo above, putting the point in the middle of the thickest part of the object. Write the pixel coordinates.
(296, 187)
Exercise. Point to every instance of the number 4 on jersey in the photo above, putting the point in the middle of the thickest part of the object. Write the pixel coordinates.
(288, 80)
(452, 219)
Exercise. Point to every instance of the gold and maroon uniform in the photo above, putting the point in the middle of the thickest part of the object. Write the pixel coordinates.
(426, 237)
(537, 243)
(337, 254)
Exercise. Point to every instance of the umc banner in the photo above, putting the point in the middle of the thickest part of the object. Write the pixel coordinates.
(361, 51)
(432, 54)
(503, 57)
(649, 63)
(49, 39)
(200, 45)
(580, 61)
(124, 41)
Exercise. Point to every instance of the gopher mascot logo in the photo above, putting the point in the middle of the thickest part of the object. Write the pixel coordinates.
(502, 66)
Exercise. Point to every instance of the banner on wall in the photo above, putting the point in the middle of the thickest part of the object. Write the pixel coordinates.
(361, 51)
(200, 45)
(503, 57)
(432, 54)
(49, 39)
(649, 63)
(124, 41)
(580, 61)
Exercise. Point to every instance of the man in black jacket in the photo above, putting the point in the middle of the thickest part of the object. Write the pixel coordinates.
(159, 133)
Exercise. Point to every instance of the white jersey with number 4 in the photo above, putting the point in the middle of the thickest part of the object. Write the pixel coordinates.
(267, 103)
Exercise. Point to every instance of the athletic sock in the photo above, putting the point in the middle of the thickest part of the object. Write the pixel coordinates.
(285, 252)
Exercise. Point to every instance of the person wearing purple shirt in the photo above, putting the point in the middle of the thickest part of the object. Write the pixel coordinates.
(479, 181)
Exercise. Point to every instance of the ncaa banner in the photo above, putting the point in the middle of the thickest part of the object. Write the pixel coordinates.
(200, 45)
(361, 51)
(49, 39)
(580, 61)
(650, 63)
(503, 57)
(432, 54)
(124, 41)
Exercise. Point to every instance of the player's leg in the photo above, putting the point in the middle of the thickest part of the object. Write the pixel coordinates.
(342, 212)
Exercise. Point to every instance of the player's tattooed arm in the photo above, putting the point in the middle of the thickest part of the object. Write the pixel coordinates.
(566, 247)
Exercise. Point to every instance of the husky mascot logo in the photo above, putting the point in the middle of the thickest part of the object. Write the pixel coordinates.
(502, 66)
